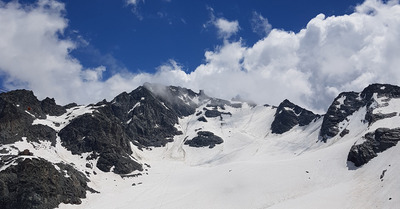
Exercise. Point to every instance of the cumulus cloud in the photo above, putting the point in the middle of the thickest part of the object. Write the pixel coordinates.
(225, 28)
(33, 56)
(260, 24)
(331, 55)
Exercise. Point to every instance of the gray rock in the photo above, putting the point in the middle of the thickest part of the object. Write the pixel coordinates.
(36, 183)
(372, 118)
(50, 107)
(289, 115)
(337, 113)
(18, 109)
(148, 120)
(215, 113)
(204, 139)
(103, 135)
(354, 101)
(376, 142)
(202, 119)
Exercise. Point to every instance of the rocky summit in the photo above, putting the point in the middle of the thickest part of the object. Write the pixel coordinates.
(170, 147)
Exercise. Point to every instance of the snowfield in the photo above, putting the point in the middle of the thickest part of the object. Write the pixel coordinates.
(252, 168)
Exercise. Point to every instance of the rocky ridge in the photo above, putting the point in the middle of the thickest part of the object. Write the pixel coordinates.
(106, 133)
(289, 115)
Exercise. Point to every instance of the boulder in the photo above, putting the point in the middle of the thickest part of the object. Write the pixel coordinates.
(36, 183)
(375, 142)
(204, 139)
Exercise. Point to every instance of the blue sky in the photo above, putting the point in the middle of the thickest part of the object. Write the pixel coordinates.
(142, 37)
(264, 51)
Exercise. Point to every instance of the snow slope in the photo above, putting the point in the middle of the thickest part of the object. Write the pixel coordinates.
(252, 168)
(255, 169)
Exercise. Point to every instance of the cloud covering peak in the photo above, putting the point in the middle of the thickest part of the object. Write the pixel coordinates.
(332, 54)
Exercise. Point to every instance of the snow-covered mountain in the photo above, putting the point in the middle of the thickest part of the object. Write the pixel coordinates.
(169, 147)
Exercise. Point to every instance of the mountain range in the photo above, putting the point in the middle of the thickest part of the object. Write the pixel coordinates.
(170, 147)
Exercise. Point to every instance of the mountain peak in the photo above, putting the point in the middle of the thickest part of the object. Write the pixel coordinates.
(289, 115)
(388, 90)
(160, 135)
(346, 103)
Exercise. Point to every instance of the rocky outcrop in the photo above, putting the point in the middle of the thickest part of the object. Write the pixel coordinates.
(148, 121)
(100, 132)
(181, 100)
(347, 103)
(18, 109)
(50, 107)
(202, 119)
(375, 142)
(372, 118)
(36, 183)
(215, 113)
(204, 139)
(289, 115)
(105, 137)
(146, 117)
(344, 105)
(381, 90)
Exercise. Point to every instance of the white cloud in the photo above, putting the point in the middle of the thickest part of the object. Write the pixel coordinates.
(132, 2)
(226, 28)
(332, 54)
(260, 24)
(93, 74)
(33, 56)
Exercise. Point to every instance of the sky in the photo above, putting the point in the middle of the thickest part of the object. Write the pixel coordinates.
(307, 51)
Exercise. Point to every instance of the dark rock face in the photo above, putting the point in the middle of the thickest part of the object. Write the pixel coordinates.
(382, 90)
(289, 115)
(18, 109)
(36, 183)
(376, 142)
(215, 103)
(50, 107)
(212, 113)
(352, 102)
(337, 112)
(104, 136)
(372, 118)
(148, 120)
(70, 105)
(215, 113)
(344, 132)
(180, 100)
(202, 119)
(146, 117)
(40, 132)
(204, 139)
(123, 163)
